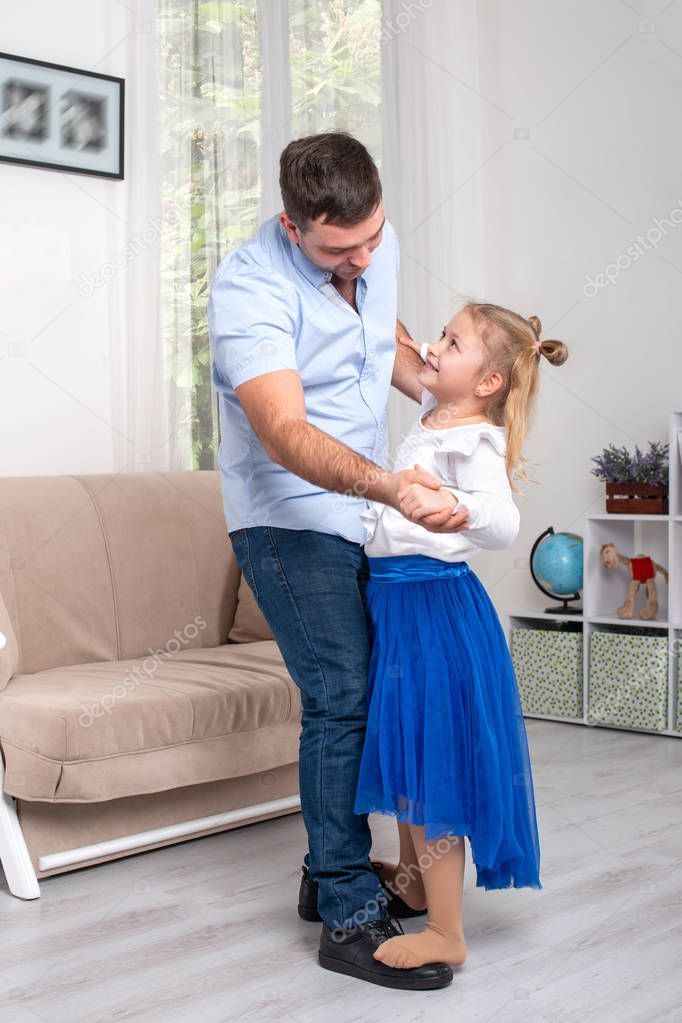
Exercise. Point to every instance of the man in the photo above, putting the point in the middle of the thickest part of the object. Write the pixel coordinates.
(303, 334)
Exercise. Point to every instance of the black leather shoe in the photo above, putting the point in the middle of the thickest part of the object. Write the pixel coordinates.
(307, 900)
(352, 952)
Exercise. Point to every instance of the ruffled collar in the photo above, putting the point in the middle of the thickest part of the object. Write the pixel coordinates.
(464, 438)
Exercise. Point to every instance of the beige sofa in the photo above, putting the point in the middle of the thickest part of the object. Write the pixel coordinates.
(143, 700)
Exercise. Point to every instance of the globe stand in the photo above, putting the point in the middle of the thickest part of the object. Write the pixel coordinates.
(565, 608)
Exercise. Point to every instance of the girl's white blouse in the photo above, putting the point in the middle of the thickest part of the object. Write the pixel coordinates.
(470, 461)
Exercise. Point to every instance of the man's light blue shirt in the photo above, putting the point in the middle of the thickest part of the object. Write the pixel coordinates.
(271, 308)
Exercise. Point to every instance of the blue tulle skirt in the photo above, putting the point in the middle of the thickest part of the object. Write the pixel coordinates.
(446, 743)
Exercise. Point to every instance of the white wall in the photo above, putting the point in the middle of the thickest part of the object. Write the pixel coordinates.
(598, 90)
(56, 409)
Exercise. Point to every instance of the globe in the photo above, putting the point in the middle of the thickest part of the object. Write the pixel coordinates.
(556, 565)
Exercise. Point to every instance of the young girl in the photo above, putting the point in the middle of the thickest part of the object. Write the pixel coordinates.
(446, 750)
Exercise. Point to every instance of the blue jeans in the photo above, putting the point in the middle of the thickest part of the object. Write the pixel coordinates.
(310, 588)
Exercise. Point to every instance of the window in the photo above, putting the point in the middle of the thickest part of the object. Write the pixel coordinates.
(211, 99)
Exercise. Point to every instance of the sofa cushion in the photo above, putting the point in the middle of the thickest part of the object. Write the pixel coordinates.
(249, 624)
(91, 732)
(9, 652)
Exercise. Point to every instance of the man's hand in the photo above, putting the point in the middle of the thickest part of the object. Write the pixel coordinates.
(431, 508)
(407, 364)
(403, 337)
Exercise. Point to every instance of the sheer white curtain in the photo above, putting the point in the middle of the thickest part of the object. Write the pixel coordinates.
(210, 122)
(276, 99)
(235, 83)
(431, 165)
(138, 395)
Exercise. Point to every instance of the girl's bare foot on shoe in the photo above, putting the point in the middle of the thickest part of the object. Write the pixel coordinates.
(405, 882)
(431, 946)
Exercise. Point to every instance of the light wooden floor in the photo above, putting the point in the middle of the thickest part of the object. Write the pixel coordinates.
(207, 931)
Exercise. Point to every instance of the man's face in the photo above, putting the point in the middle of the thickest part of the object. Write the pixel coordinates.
(344, 251)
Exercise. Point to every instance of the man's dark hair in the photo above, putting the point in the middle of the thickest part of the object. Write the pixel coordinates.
(331, 176)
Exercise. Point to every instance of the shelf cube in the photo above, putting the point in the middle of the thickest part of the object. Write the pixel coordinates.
(549, 671)
(628, 682)
(605, 590)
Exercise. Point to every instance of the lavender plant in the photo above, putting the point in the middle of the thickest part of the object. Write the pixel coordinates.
(617, 465)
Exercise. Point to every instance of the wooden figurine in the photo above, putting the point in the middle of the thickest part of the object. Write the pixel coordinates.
(642, 570)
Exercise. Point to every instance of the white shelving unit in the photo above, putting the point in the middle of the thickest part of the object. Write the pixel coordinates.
(604, 591)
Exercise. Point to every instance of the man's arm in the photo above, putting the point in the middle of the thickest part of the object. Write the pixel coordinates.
(274, 404)
(407, 364)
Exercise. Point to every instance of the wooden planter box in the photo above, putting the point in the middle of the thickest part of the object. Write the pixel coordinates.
(636, 499)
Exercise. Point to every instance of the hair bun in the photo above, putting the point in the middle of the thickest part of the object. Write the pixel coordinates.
(535, 324)
(556, 352)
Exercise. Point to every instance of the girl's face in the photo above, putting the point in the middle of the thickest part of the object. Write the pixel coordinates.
(454, 363)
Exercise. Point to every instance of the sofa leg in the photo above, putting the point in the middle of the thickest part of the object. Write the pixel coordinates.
(16, 861)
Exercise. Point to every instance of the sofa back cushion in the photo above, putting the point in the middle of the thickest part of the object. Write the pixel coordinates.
(105, 567)
(249, 624)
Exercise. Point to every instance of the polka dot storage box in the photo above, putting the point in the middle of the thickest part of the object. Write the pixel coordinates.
(628, 682)
(549, 669)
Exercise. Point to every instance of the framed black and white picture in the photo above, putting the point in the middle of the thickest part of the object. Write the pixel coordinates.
(61, 118)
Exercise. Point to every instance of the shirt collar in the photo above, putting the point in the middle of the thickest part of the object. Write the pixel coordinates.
(312, 273)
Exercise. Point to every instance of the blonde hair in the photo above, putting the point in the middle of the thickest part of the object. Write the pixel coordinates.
(514, 350)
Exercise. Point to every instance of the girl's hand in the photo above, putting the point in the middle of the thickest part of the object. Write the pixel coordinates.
(418, 501)
(435, 510)
(399, 483)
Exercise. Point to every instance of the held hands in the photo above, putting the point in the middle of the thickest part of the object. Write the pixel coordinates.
(418, 501)
(421, 498)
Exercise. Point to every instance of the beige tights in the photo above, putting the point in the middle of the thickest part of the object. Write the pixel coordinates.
(404, 878)
(441, 865)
